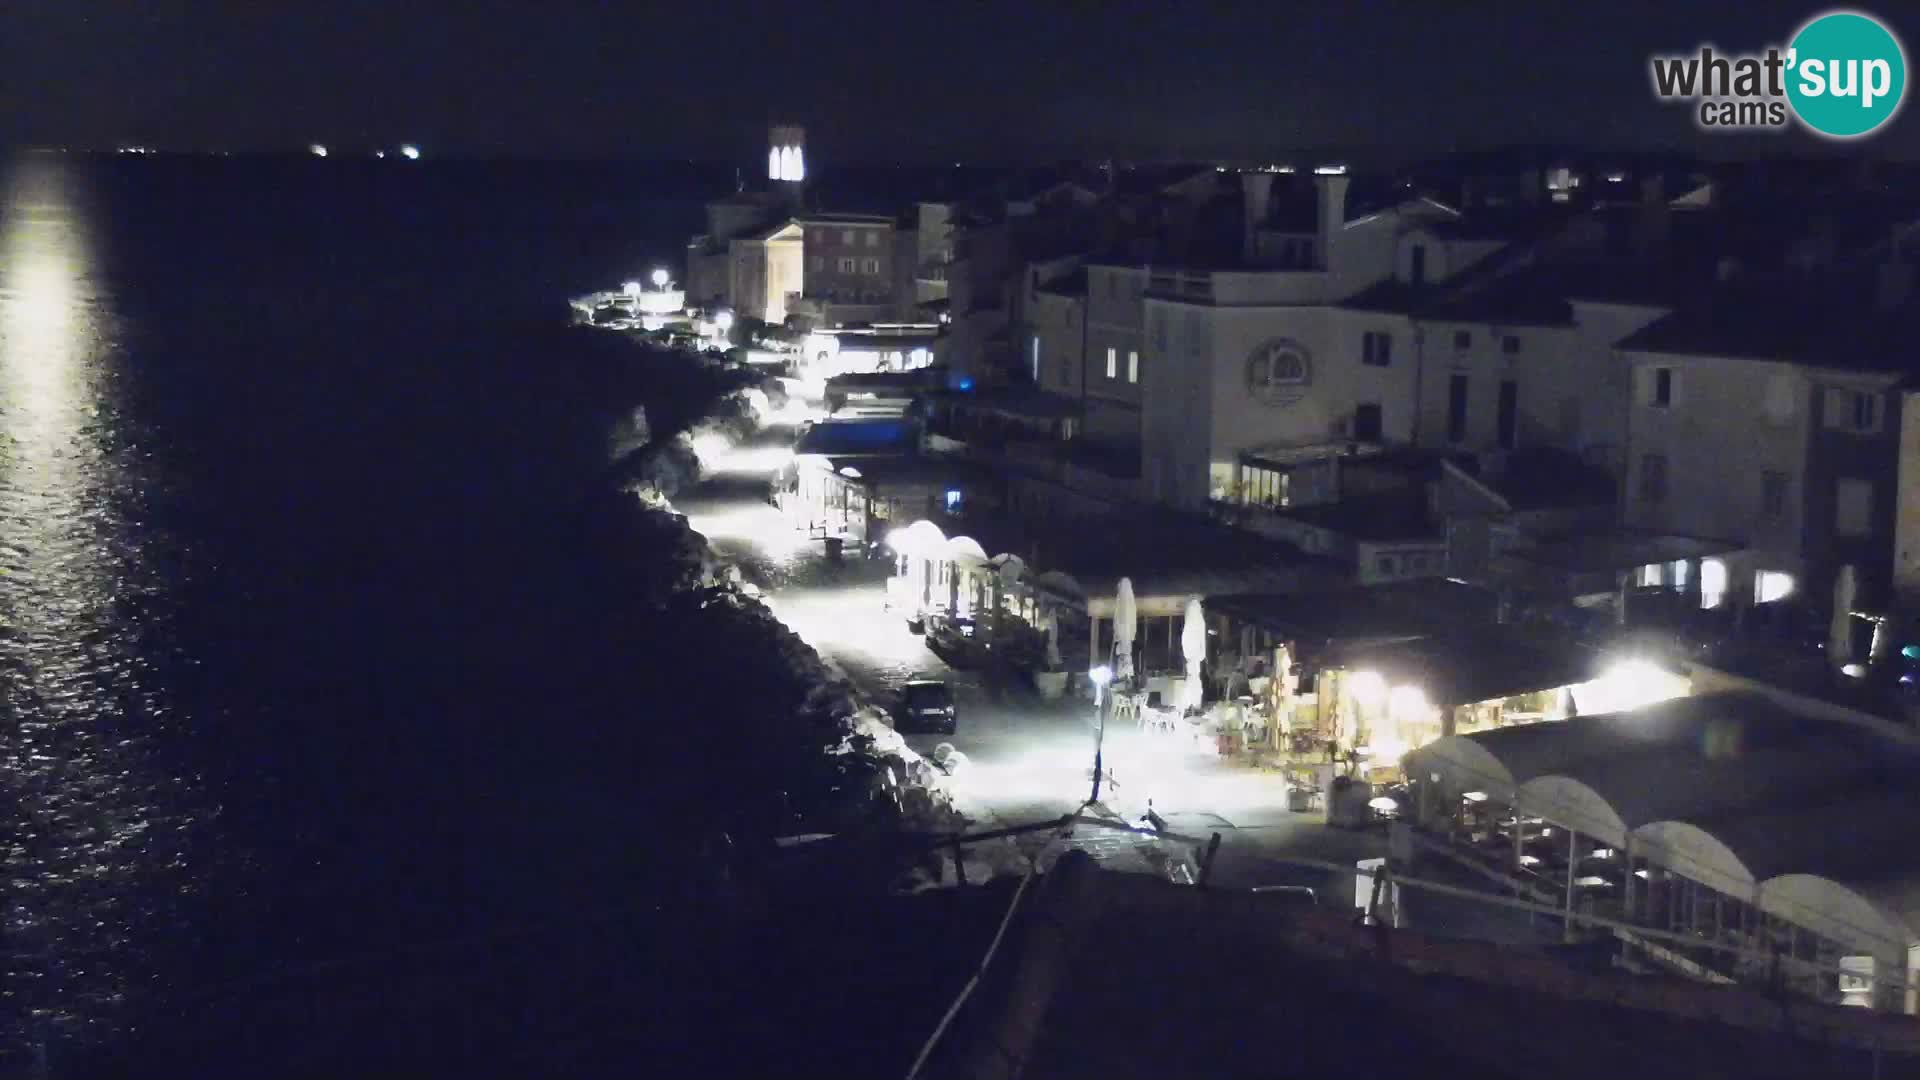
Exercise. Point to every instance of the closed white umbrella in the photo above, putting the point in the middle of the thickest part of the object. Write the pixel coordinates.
(1840, 632)
(1193, 646)
(1124, 616)
(1052, 624)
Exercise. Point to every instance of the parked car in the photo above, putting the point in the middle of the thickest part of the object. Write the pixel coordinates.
(926, 705)
(953, 640)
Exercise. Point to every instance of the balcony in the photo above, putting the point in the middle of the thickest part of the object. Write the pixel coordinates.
(1238, 288)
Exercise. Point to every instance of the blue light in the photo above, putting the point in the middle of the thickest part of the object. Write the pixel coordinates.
(1911, 652)
(966, 384)
(953, 498)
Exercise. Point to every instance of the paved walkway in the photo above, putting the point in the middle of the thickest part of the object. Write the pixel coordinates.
(1028, 760)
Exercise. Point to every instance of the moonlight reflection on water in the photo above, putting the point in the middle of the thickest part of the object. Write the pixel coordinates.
(94, 850)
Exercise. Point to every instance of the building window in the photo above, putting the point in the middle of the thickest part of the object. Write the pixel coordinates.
(816, 264)
(1366, 422)
(1510, 345)
(1771, 585)
(846, 266)
(846, 237)
(1853, 410)
(1263, 487)
(1660, 388)
(1113, 362)
(1376, 348)
(1773, 493)
(873, 238)
(1036, 359)
(1385, 564)
(871, 266)
(1713, 582)
(1677, 574)
(1508, 418)
(1133, 365)
(1463, 339)
(1457, 408)
(1653, 478)
(1853, 507)
(1417, 272)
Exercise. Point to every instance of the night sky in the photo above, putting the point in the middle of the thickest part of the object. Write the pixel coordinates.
(917, 82)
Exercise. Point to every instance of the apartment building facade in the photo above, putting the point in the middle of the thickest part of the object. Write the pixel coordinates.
(1786, 441)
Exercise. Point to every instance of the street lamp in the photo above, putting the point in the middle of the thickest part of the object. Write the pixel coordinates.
(632, 289)
(723, 322)
(660, 278)
(1101, 676)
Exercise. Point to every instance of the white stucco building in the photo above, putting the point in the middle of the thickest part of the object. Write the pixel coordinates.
(1262, 355)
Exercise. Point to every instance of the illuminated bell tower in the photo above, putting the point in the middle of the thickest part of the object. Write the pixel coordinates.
(787, 160)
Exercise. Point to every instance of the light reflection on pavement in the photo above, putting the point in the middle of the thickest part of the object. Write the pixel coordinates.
(1029, 761)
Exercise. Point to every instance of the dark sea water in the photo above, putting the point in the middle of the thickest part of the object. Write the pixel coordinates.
(295, 663)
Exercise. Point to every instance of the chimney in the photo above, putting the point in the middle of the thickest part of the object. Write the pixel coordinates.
(1655, 218)
(1333, 214)
(1256, 189)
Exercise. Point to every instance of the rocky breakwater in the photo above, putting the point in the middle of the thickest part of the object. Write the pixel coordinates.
(774, 742)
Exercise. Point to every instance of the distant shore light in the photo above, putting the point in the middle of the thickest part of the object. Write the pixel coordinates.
(410, 152)
(318, 150)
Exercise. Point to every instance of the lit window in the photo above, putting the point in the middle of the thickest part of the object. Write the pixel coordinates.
(1771, 585)
(846, 266)
(846, 237)
(1133, 366)
(1113, 362)
(1036, 358)
(1713, 582)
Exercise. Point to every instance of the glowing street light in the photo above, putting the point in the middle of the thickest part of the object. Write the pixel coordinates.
(1367, 687)
(317, 150)
(410, 152)
(661, 278)
(723, 321)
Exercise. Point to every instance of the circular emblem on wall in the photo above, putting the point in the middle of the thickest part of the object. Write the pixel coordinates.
(1279, 372)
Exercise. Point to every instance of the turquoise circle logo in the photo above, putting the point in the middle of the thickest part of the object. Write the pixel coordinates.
(1848, 74)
